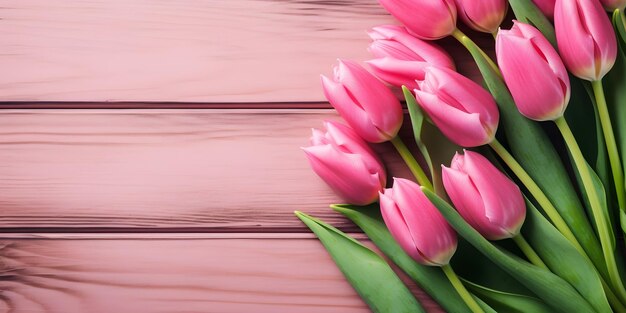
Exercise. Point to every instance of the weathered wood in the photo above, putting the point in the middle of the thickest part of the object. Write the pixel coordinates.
(181, 50)
(165, 170)
(193, 275)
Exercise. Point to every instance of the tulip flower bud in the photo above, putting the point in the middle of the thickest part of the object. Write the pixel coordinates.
(585, 38)
(612, 5)
(426, 19)
(484, 196)
(482, 15)
(401, 57)
(416, 224)
(368, 106)
(465, 112)
(546, 6)
(346, 163)
(524, 55)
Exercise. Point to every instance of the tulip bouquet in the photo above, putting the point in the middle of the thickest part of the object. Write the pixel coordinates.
(527, 212)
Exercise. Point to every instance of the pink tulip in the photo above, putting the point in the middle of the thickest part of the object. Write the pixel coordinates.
(427, 19)
(465, 112)
(482, 15)
(342, 159)
(533, 72)
(484, 196)
(368, 106)
(416, 224)
(546, 6)
(401, 57)
(585, 38)
(612, 5)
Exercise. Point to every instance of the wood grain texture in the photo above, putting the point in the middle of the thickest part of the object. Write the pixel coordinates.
(181, 50)
(192, 275)
(165, 170)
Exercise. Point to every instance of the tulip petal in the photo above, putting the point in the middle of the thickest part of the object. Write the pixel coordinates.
(502, 198)
(394, 49)
(546, 6)
(351, 111)
(429, 230)
(347, 141)
(398, 72)
(575, 43)
(543, 46)
(398, 226)
(599, 27)
(469, 203)
(482, 15)
(408, 47)
(460, 91)
(465, 129)
(539, 94)
(429, 20)
(318, 137)
(380, 104)
(344, 173)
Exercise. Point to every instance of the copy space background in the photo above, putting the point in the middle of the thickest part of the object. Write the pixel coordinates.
(149, 154)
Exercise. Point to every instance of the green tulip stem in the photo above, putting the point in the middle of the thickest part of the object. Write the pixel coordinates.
(458, 285)
(528, 251)
(466, 42)
(611, 145)
(536, 192)
(411, 162)
(495, 35)
(623, 19)
(596, 207)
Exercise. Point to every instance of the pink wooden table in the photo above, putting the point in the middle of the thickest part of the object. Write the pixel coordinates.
(149, 154)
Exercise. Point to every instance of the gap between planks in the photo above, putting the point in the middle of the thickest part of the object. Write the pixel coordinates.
(165, 236)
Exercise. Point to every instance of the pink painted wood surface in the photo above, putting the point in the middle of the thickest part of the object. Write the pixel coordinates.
(192, 275)
(162, 170)
(181, 50)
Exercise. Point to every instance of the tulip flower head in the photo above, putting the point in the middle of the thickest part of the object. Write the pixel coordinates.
(368, 106)
(533, 72)
(546, 6)
(346, 163)
(465, 112)
(585, 38)
(416, 224)
(401, 57)
(482, 15)
(612, 5)
(426, 19)
(484, 196)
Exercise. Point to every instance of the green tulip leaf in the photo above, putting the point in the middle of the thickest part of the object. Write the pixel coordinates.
(469, 263)
(527, 12)
(563, 259)
(418, 122)
(553, 290)
(615, 91)
(367, 272)
(532, 148)
(619, 23)
(508, 302)
(431, 279)
(434, 146)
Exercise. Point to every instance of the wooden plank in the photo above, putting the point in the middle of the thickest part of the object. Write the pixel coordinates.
(202, 275)
(171, 170)
(181, 50)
